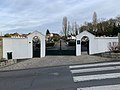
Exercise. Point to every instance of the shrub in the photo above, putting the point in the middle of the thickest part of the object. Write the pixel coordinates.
(113, 46)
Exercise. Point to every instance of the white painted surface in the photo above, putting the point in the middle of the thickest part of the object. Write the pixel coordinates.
(93, 65)
(96, 77)
(22, 47)
(103, 43)
(18, 47)
(107, 87)
(96, 44)
(30, 45)
(91, 41)
(95, 69)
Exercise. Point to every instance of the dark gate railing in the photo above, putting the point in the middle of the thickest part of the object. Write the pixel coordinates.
(60, 51)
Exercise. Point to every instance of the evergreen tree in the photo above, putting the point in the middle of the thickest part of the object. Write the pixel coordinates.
(94, 21)
(47, 32)
(65, 25)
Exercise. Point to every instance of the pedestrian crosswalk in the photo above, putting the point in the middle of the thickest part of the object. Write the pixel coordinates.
(107, 87)
(97, 76)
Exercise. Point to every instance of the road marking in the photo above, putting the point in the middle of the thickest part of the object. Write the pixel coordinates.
(91, 65)
(95, 69)
(107, 87)
(96, 77)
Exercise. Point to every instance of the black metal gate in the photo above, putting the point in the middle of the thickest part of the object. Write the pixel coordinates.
(61, 52)
(36, 48)
(85, 47)
(61, 48)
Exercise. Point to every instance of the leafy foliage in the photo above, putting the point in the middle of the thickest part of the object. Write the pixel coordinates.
(7, 35)
(47, 32)
(98, 27)
(113, 46)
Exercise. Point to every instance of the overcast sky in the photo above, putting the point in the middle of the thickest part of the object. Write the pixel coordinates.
(29, 15)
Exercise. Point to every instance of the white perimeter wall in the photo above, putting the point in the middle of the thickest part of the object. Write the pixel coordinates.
(23, 47)
(96, 44)
(102, 44)
(18, 47)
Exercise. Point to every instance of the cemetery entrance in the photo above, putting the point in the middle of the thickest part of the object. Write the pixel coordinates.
(61, 47)
(36, 47)
(85, 45)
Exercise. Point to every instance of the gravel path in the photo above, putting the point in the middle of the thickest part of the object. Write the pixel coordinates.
(54, 61)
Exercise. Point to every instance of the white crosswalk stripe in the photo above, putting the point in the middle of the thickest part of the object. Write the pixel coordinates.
(96, 77)
(97, 71)
(107, 87)
(91, 65)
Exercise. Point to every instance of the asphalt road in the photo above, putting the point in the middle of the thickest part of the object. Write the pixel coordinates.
(54, 78)
(95, 76)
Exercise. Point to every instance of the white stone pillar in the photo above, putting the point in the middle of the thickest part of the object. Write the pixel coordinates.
(78, 47)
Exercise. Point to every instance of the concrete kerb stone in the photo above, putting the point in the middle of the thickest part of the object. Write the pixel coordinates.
(2, 64)
(15, 60)
(7, 63)
(111, 55)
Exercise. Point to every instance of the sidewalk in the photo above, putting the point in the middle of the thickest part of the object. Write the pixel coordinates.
(55, 61)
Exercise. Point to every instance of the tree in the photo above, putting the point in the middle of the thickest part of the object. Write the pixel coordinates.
(73, 29)
(7, 35)
(47, 32)
(90, 27)
(76, 28)
(69, 29)
(94, 21)
(118, 19)
(83, 28)
(65, 26)
(116, 30)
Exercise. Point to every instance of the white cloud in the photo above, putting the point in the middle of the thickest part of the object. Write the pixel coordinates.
(15, 14)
